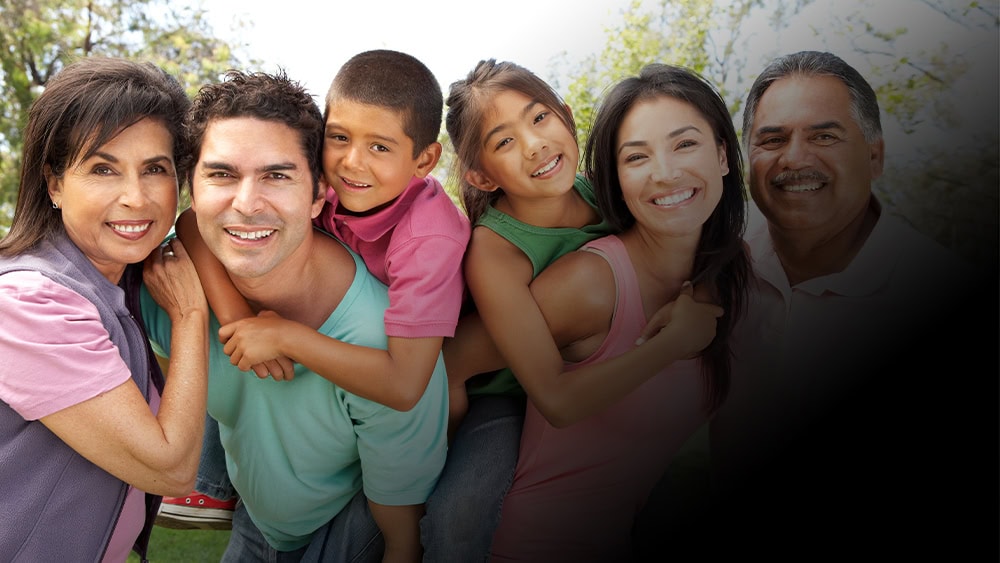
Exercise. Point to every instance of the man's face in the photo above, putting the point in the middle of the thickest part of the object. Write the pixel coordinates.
(253, 194)
(811, 169)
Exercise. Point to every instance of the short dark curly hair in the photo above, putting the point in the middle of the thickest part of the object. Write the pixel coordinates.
(269, 97)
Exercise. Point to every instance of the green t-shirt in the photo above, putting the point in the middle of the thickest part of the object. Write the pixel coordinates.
(542, 245)
(298, 451)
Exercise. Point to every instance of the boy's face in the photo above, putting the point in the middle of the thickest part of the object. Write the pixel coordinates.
(367, 157)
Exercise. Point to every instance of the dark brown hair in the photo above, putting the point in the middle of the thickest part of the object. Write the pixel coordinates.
(398, 82)
(269, 97)
(720, 260)
(84, 106)
(470, 99)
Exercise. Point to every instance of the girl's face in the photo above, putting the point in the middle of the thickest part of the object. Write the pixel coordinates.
(119, 204)
(525, 149)
(670, 166)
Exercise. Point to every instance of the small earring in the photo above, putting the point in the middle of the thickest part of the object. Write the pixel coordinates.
(55, 205)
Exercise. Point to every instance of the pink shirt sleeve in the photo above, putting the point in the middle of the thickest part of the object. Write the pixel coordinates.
(425, 287)
(55, 350)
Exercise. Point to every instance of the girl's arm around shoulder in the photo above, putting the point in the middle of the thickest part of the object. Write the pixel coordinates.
(577, 295)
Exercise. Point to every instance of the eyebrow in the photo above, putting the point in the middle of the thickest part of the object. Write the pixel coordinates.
(816, 127)
(113, 158)
(269, 168)
(333, 127)
(671, 135)
(525, 111)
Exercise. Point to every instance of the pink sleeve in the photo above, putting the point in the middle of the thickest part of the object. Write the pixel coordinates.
(56, 352)
(425, 287)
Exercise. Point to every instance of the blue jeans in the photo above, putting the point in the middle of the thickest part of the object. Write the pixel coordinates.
(213, 478)
(350, 537)
(464, 509)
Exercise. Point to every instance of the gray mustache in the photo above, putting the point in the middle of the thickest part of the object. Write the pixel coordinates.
(799, 177)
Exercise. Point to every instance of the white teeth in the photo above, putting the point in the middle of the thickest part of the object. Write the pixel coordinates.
(252, 235)
(800, 187)
(356, 185)
(131, 228)
(547, 167)
(674, 199)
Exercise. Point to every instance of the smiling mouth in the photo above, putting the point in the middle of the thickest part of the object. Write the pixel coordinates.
(251, 235)
(675, 198)
(555, 161)
(351, 184)
(799, 188)
(130, 228)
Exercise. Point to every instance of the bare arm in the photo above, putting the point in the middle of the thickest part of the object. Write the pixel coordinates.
(577, 297)
(396, 377)
(226, 301)
(400, 527)
(117, 430)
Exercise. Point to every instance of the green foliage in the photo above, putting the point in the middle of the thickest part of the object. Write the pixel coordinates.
(947, 191)
(39, 37)
(703, 35)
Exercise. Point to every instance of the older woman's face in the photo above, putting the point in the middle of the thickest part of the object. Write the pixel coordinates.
(120, 203)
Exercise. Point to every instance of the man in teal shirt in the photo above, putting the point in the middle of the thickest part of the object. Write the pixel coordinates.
(304, 454)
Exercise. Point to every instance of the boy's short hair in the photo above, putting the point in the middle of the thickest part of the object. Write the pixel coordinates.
(395, 81)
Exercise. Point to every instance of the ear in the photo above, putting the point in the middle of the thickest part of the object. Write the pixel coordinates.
(53, 184)
(317, 204)
(427, 159)
(723, 159)
(480, 181)
(877, 150)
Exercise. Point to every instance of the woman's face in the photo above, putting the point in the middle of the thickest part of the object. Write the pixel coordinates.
(670, 166)
(120, 203)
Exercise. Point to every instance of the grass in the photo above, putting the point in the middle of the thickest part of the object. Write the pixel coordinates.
(189, 546)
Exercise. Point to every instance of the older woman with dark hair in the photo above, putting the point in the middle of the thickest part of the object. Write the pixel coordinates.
(87, 423)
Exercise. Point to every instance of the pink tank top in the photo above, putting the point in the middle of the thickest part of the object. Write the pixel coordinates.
(577, 490)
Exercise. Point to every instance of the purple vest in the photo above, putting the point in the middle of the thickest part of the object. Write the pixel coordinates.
(54, 504)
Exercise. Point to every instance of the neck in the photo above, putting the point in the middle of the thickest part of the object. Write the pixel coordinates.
(662, 263)
(565, 210)
(320, 269)
(812, 254)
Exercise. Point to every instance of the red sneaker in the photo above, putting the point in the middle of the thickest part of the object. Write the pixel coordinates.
(196, 512)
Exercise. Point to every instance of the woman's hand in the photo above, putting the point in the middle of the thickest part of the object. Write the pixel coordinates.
(173, 282)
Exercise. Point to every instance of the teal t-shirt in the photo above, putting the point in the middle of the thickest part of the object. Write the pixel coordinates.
(297, 451)
(543, 246)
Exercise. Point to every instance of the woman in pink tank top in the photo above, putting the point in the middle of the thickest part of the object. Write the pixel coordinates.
(666, 166)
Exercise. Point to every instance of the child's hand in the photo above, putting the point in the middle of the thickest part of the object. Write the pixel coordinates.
(690, 324)
(662, 317)
(253, 344)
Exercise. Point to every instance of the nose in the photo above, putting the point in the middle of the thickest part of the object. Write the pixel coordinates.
(797, 154)
(353, 157)
(134, 192)
(664, 170)
(247, 199)
(533, 144)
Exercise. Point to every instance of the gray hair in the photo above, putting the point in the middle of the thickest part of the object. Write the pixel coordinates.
(864, 104)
